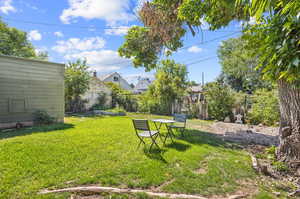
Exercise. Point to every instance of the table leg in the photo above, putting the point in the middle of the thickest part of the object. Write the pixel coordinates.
(169, 132)
(158, 130)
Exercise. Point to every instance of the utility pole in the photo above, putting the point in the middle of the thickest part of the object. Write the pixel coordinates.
(202, 78)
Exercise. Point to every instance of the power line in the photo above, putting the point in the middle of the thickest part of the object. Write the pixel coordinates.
(111, 28)
(85, 27)
(201, 60)
(59, 25)
(211, 40)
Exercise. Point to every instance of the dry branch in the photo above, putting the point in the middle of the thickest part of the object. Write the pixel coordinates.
(96, 189)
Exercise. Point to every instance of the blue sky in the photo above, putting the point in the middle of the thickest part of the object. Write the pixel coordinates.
(94, 29)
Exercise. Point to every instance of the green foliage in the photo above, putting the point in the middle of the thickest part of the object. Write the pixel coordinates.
(217, 13)
(122, 98)
(270, 154)
(238, 65)
(265, 108)
(14, 42)
(169, 86)
(276, 34)
(241, 101)
(101, 102)
(220, 99)
(41, 117)
(77, 80)
(271, 150)
(140, 48)
(279, 50)
(280, 166)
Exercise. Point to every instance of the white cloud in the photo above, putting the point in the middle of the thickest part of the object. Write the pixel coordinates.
(111, 11)
(58, 34)
(194, 49)
(6, 6)
(101, 60)
(42, 49)
(73, 45)
(121, 30)
(91, 49)
(34, 35)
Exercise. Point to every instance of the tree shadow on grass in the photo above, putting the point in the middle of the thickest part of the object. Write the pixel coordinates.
(178, 146)
(36, 129)
(155, 154)
(201, 138)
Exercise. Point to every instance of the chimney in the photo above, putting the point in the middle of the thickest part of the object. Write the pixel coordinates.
(95, 73)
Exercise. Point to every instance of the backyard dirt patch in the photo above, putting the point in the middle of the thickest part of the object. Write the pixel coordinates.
(241, 133)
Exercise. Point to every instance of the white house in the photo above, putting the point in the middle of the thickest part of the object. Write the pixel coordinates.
(142, 85)
(95, 88)
(117, 79)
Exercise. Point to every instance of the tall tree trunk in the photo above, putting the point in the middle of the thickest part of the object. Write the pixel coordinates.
(289, 133)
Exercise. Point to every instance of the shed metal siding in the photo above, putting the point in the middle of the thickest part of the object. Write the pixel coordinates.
(29, 85)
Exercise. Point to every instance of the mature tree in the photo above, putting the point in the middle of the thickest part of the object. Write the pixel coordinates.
(239, 64)
(170, 85)
(277, 34)
(279, 38)
(14, 42)
(77, 78)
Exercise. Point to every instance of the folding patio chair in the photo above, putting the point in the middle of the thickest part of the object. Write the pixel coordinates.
(142, 130)
(180, 124)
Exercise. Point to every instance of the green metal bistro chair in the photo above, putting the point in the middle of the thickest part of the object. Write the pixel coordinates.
(180, 124)
(142, 130)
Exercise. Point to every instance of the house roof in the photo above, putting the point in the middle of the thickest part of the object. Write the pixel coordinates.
(108, 75)
(143, 84)
(31, 60)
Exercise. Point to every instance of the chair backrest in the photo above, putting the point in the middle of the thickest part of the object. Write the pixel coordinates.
(141, 125)
(180, 118)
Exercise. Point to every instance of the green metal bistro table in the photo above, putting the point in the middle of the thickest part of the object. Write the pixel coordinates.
(159, 123)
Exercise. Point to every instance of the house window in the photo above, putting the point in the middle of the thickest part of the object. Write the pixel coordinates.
(116, 79)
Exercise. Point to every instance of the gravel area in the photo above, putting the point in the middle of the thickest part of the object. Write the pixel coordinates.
(242, 133)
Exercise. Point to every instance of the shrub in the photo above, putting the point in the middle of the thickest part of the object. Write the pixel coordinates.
(77, 80)
(271, 150)
(220, 100)
(265, 108)
(150, 104)
(122, 98)
(280, 166)
(101, 102)
(169, 86)
(41, 117)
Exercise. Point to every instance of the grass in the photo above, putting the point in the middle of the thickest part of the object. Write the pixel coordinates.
(102, 150)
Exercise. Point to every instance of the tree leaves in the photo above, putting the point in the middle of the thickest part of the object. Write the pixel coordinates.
(13, 42)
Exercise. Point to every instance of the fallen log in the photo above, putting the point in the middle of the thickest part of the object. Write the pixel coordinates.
(96, 189)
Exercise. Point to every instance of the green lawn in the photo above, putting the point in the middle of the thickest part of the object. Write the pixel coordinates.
(103, 151)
